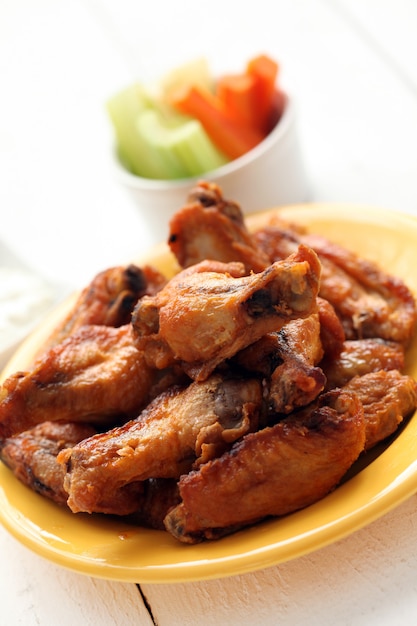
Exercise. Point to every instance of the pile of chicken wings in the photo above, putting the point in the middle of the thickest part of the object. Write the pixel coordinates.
(245, 386)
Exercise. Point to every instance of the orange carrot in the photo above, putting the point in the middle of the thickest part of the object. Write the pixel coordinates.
(265, 71)
(232, 138)
(237, 92)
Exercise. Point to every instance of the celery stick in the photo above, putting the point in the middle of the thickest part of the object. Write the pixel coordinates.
(183, 143)
(154, 141)
(156, 137)
(123, 109)
(196, 150)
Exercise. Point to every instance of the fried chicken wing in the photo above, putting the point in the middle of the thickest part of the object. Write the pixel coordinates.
(362, 356)
(387, 398)
(179, 429)
(297, 381)
(108, 300)
(95, 375)
(288, 361)
(274, 471)
(291, 359)
(31, 456)
(204, 317)
(376, 303)
(370, 302)
(210, 227)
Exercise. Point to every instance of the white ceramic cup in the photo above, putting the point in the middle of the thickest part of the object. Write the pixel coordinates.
(271, 174)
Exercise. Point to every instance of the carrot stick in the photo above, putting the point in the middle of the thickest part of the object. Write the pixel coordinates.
(232, 138)
(265, 71)
(237, 92)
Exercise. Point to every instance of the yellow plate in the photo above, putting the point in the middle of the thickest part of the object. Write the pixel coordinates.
(110, 548)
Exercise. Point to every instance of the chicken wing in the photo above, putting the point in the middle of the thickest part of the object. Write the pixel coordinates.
(376, 303)
(387, 398)
(291, 359)
(274, 471)
(288, 360)
(361, 356)
(31, 456)
(97, 374)
(179, 429)
(108, 300)
(204, 317)
(209, 227)
(369, 302)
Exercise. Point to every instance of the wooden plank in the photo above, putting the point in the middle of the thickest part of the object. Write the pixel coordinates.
(35, 591)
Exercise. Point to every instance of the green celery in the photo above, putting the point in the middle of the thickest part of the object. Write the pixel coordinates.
(124, 109)
(181, 141)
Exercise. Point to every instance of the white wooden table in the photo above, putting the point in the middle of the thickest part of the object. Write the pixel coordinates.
(351, 65)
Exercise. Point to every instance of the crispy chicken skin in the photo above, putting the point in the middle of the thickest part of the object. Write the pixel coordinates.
(95, 375)
(369, 302)
(205, 314)
(108, 300)
(181, 428)
(31, 456)
(288, 359)
(274, 471)
(361, 356)
(332, 334)
(378, 304)
(297, 381)
(210, 227)
(387, 398)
